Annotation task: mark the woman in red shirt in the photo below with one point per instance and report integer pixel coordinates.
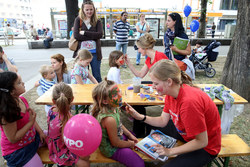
(195, 116)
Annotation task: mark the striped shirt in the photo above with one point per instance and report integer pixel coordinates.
(122, 30)
(46, 84)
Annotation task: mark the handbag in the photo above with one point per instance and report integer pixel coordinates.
(135, 46)
(73, 43)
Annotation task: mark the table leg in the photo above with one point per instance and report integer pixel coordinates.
(220, 109)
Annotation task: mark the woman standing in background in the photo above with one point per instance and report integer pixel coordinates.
(142, 27)
(88, 32)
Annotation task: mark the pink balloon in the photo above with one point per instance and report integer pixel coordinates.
(82, 134)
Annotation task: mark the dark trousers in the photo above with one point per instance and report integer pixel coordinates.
(213, 32)
(196, 158)
(140, 128)
(47, 41)
(96, 68)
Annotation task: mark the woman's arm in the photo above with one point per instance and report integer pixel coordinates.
(92, 78)
(141, 73)
(14, 135)
(187, 51)
(160, 121)
(200, 141)
(77, 30)
(95, 34)
(110, 124)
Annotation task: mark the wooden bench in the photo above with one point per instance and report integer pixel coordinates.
(231, 145)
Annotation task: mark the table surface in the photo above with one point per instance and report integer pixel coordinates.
(83, 96)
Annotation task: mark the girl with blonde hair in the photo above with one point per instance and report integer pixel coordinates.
(80, 72)
(117, 141)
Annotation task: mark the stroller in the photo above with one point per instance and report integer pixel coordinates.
(208, 54)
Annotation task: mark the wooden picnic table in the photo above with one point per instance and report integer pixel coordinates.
(83, 96)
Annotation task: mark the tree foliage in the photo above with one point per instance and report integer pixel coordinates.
(72, 12)
(236, 71)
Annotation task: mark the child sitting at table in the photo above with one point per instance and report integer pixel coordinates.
(59, 114)
(47, 81)
(116, 59)
(20, 133)
(117, 141)
(80, 72)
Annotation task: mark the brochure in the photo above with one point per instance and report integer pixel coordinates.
(180, 43)
(155, 137)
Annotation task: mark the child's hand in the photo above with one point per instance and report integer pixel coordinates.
(133, 138)
(42, 137)
(131, 143)
(32, 115)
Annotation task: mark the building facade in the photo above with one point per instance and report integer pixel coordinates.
(14, 12)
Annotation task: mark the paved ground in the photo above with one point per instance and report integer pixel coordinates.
(29, 60)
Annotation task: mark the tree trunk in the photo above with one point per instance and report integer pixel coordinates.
(72, 12)
(236, 72)
(202, 29)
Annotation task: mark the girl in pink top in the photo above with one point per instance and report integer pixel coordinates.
(19, 129)
(58, 115)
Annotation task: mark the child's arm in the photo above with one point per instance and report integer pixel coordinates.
(39, 130)
(79, 79)
(110, 124)
(129, 134)
(92, 78)
(14, 135)
(37, 83)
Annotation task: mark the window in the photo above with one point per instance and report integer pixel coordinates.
(229, 4)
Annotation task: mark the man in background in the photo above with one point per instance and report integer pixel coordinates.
(48, 38)
(121, 29)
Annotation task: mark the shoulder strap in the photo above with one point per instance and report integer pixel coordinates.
(142, 28)
(24, 101)
(80, 23)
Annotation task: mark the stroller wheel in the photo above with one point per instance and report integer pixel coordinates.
(209, 65)
(210, 72)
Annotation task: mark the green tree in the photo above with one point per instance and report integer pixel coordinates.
(72, 12)
(236, 71)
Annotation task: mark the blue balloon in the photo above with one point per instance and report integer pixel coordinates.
(187, 10)
(194, 26)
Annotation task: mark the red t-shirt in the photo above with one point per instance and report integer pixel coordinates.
(158, 56)
(193, 112)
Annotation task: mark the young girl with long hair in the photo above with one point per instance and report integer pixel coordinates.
(59, 114)
(116, 59)
(80, 73)
(117, 141)
(19, 129)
